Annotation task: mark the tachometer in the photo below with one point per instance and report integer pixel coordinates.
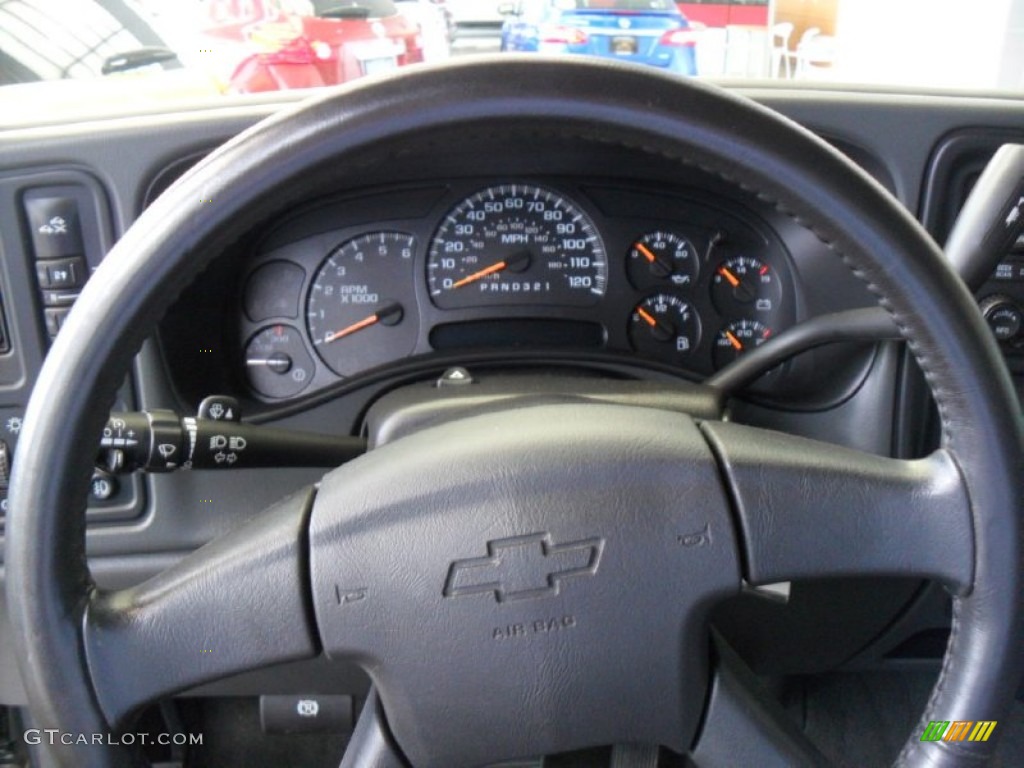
(516, 244)
(361, 307)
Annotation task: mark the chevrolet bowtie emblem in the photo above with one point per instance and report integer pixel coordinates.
(524, 567)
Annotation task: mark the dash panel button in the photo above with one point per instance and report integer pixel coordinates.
(61, 273)
(54, 224)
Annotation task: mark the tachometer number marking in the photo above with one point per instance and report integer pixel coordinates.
(357, 303)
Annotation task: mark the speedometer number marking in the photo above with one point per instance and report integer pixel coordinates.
(516, 244)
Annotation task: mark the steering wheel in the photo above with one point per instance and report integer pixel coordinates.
(535, 581)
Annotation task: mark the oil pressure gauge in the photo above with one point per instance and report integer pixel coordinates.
(662, 258)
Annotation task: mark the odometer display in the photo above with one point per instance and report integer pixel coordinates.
(516, 244)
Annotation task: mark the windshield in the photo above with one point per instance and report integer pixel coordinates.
(128, 52)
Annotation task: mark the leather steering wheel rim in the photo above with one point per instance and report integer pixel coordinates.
(686, 122)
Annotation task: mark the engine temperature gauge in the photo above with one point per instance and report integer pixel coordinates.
(664, 327)
(737, 339)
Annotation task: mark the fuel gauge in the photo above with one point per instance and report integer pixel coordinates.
(664, 327)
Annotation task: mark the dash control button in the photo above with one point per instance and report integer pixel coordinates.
(1005, 270)
(455, 377)
(55, 318)
(61, 273)
(54, 224)
(220, 408)
(315, 713)
(103, 486)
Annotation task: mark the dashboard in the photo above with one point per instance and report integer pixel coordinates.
(531, 263)
(660, 278)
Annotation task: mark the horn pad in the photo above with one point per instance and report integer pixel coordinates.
(514, 589)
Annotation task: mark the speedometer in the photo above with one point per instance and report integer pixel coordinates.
(516, 244)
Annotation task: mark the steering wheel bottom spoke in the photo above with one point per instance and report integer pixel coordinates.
(744, 726)
(808, 509)
(239, 603)
(371, 745)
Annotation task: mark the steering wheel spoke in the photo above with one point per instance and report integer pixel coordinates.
(371, 745)
(808, 509)
(237, 604)
(743, 725)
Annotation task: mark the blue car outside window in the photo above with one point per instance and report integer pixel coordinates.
(649, 32)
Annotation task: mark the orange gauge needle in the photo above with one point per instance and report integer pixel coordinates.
(736, 343)
(733, 280)
(646, 252)
(647, 316)
(515, 263)
(481, 274)
(389, 315)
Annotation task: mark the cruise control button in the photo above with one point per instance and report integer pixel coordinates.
(54, 224)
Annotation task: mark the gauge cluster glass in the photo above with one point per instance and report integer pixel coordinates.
(469, 270)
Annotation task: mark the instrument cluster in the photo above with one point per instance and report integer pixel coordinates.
(675, 280)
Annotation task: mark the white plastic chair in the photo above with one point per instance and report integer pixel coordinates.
(780, 48)
(793, 58)
(814, 52)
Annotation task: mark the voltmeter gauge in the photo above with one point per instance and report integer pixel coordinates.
(277, 364)
(737, 339)
(662, 258)
(746, 286)
(664, 327)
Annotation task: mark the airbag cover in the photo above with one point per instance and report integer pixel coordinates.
(528, 582)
